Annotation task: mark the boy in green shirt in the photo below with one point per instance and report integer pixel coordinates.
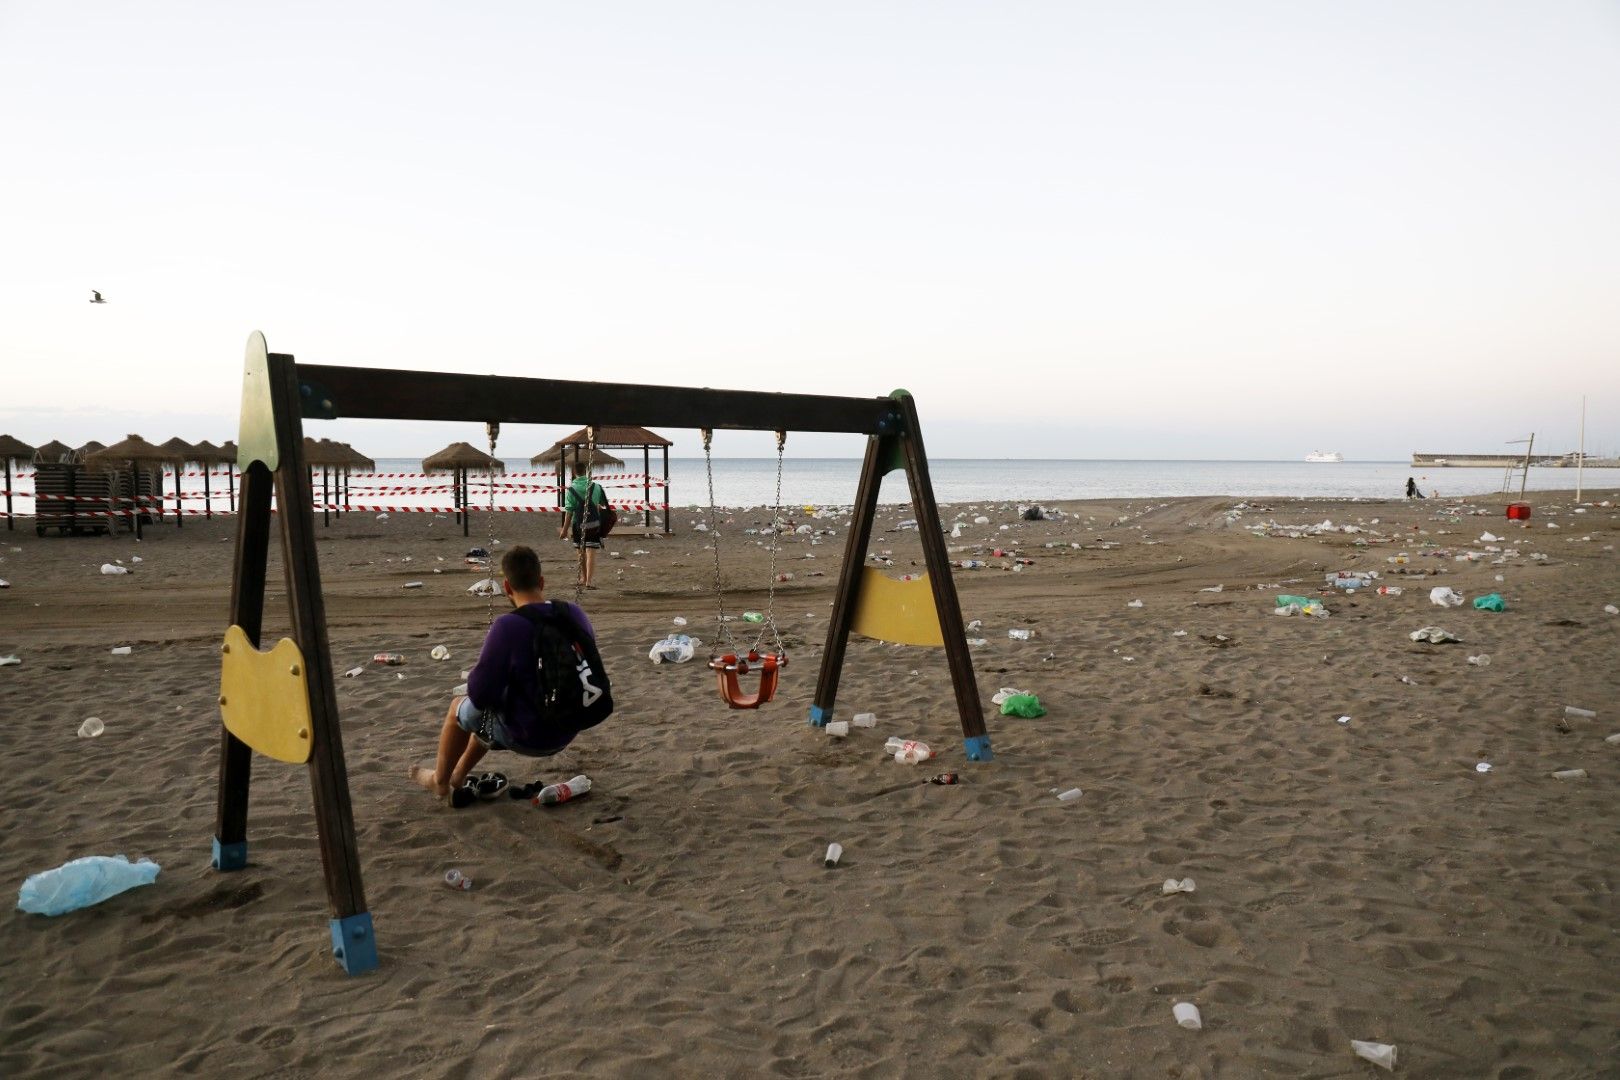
(582, 520)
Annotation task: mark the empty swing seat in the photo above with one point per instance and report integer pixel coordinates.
(729, 667)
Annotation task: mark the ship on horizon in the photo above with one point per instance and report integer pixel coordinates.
(1324, 455)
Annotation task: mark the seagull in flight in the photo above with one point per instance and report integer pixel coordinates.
(97, 295)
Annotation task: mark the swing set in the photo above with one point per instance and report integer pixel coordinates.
(283, 702)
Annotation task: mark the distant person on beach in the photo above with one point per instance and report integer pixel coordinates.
(1412, 491)
(582, 520)
(539, 682)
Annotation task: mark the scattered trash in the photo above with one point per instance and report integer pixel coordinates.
(91, 727)
(1380, 1054)
(753, 617)
(1004, 693)
(1017, 634)
(486, 587)
(411, 585)
(4, 584)
(981, 520)
(1613, 740)
(83, 882)
(1027, 706)
(838, 729)
(1482, 660)
(865, 719)
(1187, 1016)
(477, 553)
(1171, 885)
(439, 652)
(1070, 795)
(392, 659)
(678, 621)
(1434, 635)
(109, 568)
(1570, 774)
(835, 851)
(1445, 597)
(1389, 590)
(383, 516)
(674, 649)
(1134, 603)
(455, 879)
(353, 673)
(122, 650)
(1483, 767)
(1584, 714)
(945, 779)
(907, 751)
(7, 661)
(1492, 602)
(1344, 719)
(1487, 538)
(1611, 609)
(1299, 605)
(1213, 588)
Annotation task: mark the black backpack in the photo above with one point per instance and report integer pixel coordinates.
(597, 518)
(572, 688)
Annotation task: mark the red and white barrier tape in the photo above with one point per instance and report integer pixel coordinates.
(547, 509)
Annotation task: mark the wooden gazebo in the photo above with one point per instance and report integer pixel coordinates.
(587, 445)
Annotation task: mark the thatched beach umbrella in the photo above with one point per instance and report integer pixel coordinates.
(91, 447)
(54, 452)
(459, 458)
(13, 450)
(557, 457)
(357, 460)
(135, 452)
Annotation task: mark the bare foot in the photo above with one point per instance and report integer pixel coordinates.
(424, 777)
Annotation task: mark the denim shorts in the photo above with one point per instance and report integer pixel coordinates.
(485, 725)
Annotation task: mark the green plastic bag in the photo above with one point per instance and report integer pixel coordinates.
(1298, 601)
(1025, 705)
(1493, 602)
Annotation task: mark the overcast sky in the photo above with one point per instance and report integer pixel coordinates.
(1233, 230)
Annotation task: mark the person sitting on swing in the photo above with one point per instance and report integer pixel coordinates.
(582, 519)
(538, 683)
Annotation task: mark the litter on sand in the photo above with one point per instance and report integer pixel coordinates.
(1171, 885)
(1380, 1054)
(1434, 635)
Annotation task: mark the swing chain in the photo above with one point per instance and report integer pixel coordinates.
(493, 430)
(776, 543)
(714, 536)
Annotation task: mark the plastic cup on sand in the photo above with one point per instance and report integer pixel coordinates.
(1187, 1016)
(91, 728)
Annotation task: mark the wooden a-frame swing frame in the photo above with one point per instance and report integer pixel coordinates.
(279, 393)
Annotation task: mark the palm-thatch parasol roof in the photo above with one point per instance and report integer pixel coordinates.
(461, 456)
(134, 449)
(617, 436)
(324, 454)
(209, 454)
(15, 449)
(561, 453)
(90, 447)
(53, 452)
(357, 459)
(182, 450)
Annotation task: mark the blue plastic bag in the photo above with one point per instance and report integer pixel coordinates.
(83, 882)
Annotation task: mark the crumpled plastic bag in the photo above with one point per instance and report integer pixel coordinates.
(82, 882)
(1025, 705)
(1434, 635)
(486, 587)
(1445, 597)
(1492, 602)
(675, 649)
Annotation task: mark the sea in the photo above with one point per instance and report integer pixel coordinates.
(832, 482)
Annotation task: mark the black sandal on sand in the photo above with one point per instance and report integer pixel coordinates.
(488, 785)
(465, 795)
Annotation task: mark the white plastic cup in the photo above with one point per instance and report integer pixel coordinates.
(1584, 714)
(1069, 796)
(1187, 1016)
(122, 650)
(1570, 774)
(1380, 1054)
(835, 852)
(91, 728)
(1482, 660)
(865, 719)
(838, 728)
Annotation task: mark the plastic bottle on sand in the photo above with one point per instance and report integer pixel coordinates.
(552, 794)
(455, 879)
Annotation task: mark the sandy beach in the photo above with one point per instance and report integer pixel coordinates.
(1355, 880)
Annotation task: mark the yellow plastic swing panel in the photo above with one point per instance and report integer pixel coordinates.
(889, 609)
(264, 697)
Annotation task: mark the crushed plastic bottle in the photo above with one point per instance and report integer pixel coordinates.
(109, 569)
(455, 879)
(83, 882)
(440, 652)
(392, 659)
(552, 794)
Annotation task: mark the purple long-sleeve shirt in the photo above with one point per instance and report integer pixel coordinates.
(505, 677)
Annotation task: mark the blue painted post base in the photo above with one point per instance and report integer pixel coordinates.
(353, 944)
(230, 856)
(820, 716)
(978, 748)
